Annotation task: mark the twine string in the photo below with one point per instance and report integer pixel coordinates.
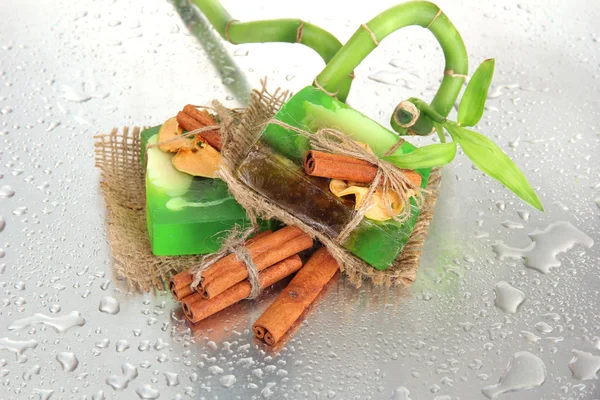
(233, 244)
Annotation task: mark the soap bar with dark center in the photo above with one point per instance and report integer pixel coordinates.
(273, 168)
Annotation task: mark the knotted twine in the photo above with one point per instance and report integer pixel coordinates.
(388, 178)
(233, 244)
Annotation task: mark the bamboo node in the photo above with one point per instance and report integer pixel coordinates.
(364, 26)
(451, 73)
(299, 32)
(434, 18)
(227, 30)
(321, 88)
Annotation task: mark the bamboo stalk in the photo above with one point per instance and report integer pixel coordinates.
(368, 37)
(276, 30)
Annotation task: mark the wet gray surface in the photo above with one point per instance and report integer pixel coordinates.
(71, 330)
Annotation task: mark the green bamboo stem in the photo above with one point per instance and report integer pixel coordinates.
(277, 30)
(368, 36)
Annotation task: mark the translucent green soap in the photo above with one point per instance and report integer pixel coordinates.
(185, 214)
(273, 168)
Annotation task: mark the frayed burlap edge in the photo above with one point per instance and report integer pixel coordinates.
(123, 186)
(239, 139)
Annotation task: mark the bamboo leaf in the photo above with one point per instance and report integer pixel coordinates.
(471, 105)
(491, 160)
(433, 155)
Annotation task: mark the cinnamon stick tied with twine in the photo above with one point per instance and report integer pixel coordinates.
(180, 285)
(391, 177)
(296, 297)
(232, 265)
(346, 168)
(196, 307)
(191, 119)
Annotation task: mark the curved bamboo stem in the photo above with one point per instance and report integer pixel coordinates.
(276, 30)
(368, 36)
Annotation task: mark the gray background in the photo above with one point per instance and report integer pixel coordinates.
(69, 70)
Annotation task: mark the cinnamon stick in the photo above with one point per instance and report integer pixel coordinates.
(197, 308)
(296, 297)
(191, 119)
(179, 284)
(336, 166)
(261, 245)
(233, 271)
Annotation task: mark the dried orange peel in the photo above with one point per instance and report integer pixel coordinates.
(167, 134)
(377, 209)
(200, 160)
(194, 156)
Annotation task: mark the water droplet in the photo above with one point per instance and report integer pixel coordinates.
(401, 393)
(512, 224)
(109, 305)
(543, 327)
(289, 77)
(530, 336)
(160, 344)
(508, 298)
(60, 324)
(35, 370)
(44, 394)
(2, 223)
(524, 371)
(523, 214)
(584, 365)
(267, 391)
(227, 381)
(55, 308)
(241, 52)
(6, 192)
(102, 343)
(99, 395)
(546, 245)
(129, 371)
(122, 345)
(147, 392)
(385, 77)
(19, 211)
(68, 362)
(172, 378)
(17, 346)
(52, 125)
(215, 370)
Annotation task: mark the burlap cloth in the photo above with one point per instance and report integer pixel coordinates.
(123, 185)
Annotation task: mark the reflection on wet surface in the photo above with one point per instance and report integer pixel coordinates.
(478, 322)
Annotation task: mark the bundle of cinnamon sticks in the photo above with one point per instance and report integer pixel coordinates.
(275, 255)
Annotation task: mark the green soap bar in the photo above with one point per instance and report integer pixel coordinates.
(186, 214)
(274, 168)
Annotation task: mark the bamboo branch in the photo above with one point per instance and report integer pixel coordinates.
(276, 30)
(368, 37)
